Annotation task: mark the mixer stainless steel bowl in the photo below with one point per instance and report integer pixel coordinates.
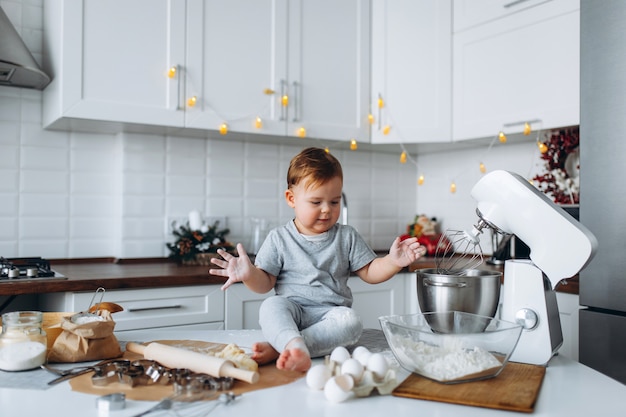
(474, 291)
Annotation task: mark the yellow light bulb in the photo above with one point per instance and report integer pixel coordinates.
(386, 129)
(527, 129)
(192, 101)
(420, 180)
(171, 73)
(502, 137)
(353, 145)
(327, 150)
(301, 132)
(285, 100)
(403, 157)
(268, 91)
(453, 187)
(482, 168)
(370, 118)
(223, 128)
(543, 148)
(381, 102)
(258, 123)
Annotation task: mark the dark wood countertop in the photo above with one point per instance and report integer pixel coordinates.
(112, 273)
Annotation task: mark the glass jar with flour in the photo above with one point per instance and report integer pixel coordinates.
(23, 343)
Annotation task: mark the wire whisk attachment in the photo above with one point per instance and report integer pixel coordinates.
(459, 251)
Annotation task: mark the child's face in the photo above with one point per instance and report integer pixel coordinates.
(318, 208)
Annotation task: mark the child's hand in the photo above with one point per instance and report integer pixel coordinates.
(405, 252)
(237, 269)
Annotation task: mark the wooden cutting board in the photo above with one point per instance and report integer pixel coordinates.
(515, 389)
(270, 376)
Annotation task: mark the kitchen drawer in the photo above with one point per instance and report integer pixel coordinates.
(150, 307)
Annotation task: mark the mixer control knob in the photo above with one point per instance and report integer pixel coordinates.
(527, 318)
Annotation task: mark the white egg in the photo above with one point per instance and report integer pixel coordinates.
(378, 365)
(352, 367)
(338, 388)
(362, 354)
(339, 354)
(317, 376)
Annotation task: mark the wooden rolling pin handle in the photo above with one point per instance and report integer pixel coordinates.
(135, 347)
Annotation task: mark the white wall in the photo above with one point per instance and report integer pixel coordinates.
(75, 195)
(458, 210)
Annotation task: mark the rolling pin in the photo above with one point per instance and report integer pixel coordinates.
(173, 357)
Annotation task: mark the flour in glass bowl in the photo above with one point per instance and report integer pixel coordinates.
(448, 362)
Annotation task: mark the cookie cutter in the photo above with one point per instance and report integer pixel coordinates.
(189, 383)
(109, 402)
(149, 372)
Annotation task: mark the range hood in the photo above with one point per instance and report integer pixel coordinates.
(18, 68)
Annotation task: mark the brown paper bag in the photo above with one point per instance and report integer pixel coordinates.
(89, 341)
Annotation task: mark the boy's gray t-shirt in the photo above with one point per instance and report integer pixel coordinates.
(314, 272)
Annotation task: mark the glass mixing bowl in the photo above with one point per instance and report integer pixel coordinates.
(461, 354)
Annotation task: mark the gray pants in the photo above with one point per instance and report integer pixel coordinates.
(323, 328)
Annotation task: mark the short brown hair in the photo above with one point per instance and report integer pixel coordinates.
(316, 165)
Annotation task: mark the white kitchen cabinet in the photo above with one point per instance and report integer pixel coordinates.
(327, 73)
(374, 300)
(370, 302)
(248, 47)
(242, 307)
(468, 13)
(233, 56)
(109, 62)
(518, 68)
(180, 307)
(411, 71)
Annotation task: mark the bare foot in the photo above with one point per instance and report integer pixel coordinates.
(263, 352)
(294, 360)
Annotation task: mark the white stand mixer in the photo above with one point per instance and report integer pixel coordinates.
(559, 248)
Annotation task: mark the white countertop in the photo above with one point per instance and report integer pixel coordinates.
(569, 390)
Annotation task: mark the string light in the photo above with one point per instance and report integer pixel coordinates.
(386, 129)
(543, 148)
(527, 129)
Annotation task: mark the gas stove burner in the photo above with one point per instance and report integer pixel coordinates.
(26, 269)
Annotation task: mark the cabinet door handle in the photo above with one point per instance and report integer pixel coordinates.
(283, 95)
(135, 309)
(174, 72)
(514, 3)
(296, 101)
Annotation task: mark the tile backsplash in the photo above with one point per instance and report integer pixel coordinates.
(77, 195)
